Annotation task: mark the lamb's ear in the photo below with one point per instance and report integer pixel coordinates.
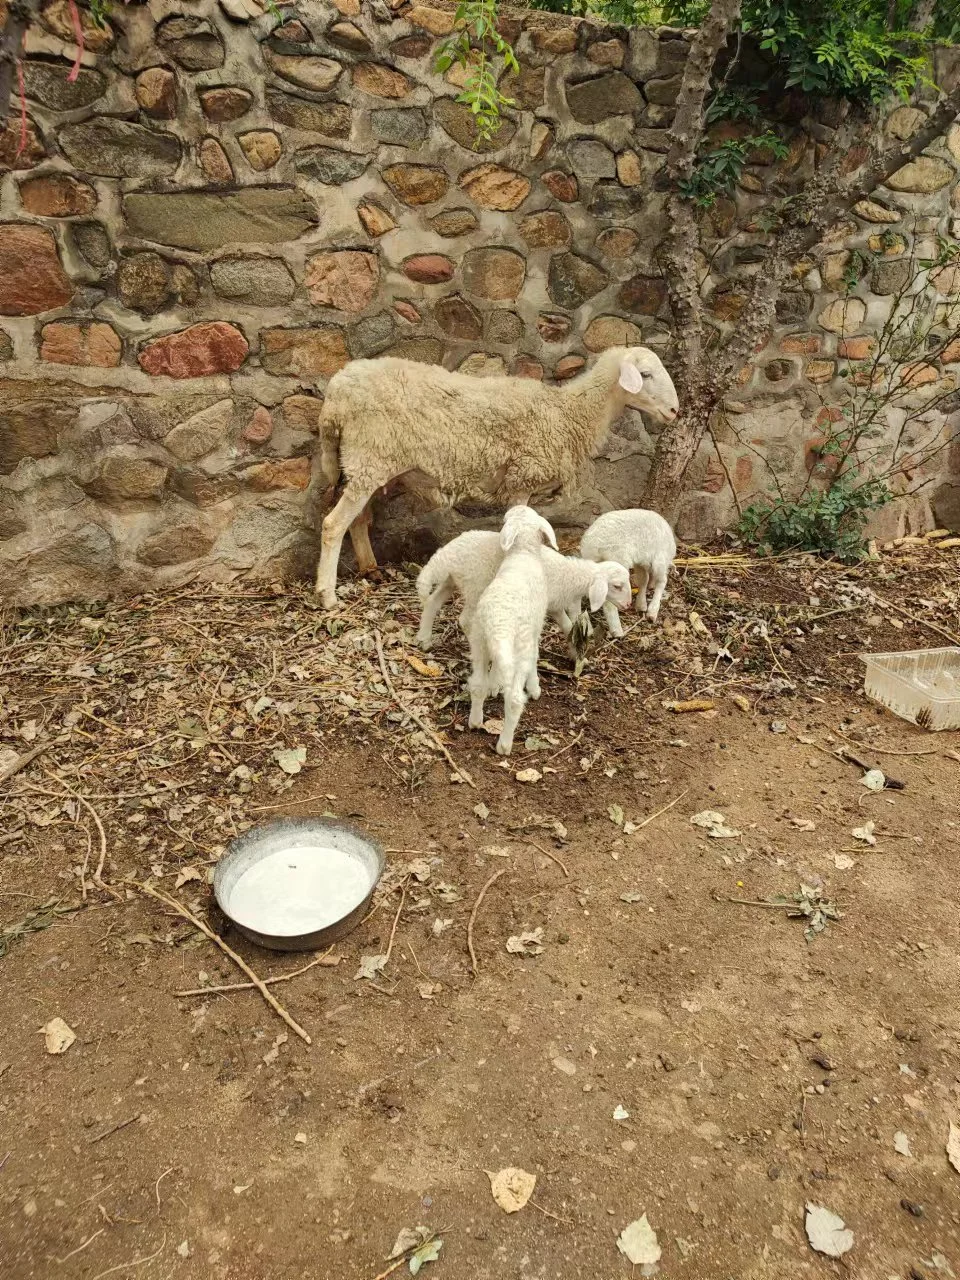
(597, 594)
(547, 530)
(508, 535)
(631, 379)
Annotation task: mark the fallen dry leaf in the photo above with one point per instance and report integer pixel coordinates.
(526, 944)
(638, 1243)
(187, 873)
(740, 701)
(429, 990)
(901, 1144)
(57, 1036)
(827, 1233)
(865, 834)
(528, 775)
(512, 1188)
(715, 825)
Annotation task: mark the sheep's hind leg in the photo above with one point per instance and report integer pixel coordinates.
(514, 700)
(432, 606)
(360, 537)
(335, 525)
(643, 577)
(478, 682)
(658, 581)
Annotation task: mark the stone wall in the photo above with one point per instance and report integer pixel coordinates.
(227, 205)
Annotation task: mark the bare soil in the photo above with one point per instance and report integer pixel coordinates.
(760, 1071)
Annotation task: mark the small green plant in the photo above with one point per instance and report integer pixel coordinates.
(829, 521)
(719, 170)
(475, 44)
(733, 103)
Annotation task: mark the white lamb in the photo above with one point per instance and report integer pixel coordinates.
(467, 565)
(634, 538)
(505, 629)
(504, 439)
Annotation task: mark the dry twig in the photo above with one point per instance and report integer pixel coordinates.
(473, 916)
(115, 1128)
(152, 892)
(424, 724)
(676, 800)
(21, 762)
(547, 854)
(326, 959)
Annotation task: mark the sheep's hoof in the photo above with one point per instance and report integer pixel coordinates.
(372, 571)
(504, 749)
(329, 599)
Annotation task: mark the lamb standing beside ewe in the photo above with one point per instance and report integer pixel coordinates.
(633, 538)
(468, 563)
(507, 622)
(494, 439)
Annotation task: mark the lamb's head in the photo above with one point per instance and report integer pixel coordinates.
(647, 384)
(613, 584)
(529, 526)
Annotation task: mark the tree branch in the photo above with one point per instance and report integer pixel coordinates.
(20, 13)
(688, 121)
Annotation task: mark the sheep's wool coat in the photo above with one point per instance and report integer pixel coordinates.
(476, 438)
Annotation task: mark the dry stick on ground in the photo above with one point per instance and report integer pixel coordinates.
(473, 916)
(920, 622)
(405, 1257)
(21, 762)
(424, 724)
(98, 874)
(271, 1000)
(396, 921)
(664, 809)
(325, 960)
(115, 1128)
(547, 854)
(81, 1247)
(137, 1262)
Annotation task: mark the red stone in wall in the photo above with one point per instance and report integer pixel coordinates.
(197, 352)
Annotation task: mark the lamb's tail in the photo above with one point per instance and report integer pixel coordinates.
(432, 576)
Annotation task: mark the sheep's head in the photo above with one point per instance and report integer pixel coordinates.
(614, 585)
(524, 520)
(647, 384)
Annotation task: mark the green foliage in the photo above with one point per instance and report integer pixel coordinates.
(830, 521)
(738, 102)
(718, 171)
(474, 42)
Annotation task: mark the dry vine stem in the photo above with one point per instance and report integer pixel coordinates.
(271, 1000)
(473, 916)
(326, 959)
(424, 725)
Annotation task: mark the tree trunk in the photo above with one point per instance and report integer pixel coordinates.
(676, 449)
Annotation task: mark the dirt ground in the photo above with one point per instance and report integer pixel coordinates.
(197, 1136)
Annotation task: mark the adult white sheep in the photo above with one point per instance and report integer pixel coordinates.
(468, 564)
(639, 539)
(498, 439)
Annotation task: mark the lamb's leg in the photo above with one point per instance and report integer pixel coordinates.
(514, 700)
(658, 581)
(562, 619)
(611, 616)
(432, 606)
(360, 537)
(335, 525)
(478, 681)
(532, 682)
(643, 577)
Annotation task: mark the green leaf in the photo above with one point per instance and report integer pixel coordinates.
(428, 1252)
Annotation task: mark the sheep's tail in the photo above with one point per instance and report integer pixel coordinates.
(325, 473)
(502, 666)
(431, 576)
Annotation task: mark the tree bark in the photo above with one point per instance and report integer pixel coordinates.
(824, 199)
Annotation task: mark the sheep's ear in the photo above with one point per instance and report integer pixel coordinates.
(598, 592)
(508, 535)
(547, 530)
(631, 379)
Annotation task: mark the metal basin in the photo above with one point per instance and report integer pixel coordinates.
(296, 884)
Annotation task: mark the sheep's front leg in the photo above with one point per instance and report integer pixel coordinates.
(562, 619)
(360, 537)
(335, 525)
(611, 616)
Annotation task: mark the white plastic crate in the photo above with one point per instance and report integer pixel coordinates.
(921, 685)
